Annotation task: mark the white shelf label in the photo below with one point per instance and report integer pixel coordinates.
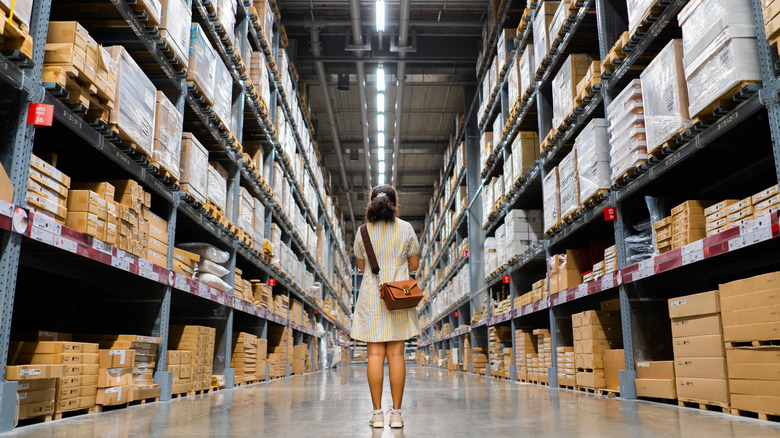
(119, 263)
(66, 244)
(6, 209)
(693, 252)
(45, 223)
(737, 243)
(758, 236)
(145, 265)
(102, 246)
(42, 236)
(148, 273)
(181, 282)
(203, 291)
(607, 281)
(582, 290)
(125, 256)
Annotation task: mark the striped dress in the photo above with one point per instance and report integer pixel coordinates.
(393, 242)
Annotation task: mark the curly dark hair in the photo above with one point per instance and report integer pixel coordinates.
(382, 205)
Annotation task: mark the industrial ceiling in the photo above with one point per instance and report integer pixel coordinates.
(428, 51)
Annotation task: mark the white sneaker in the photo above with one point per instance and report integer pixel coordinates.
(396, 420)
(377, 419)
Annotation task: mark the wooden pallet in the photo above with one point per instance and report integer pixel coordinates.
(129, 143)
(616, 52)
(101, 408)
(36, 419)
(760, 415)
(201, 391)
(197, 92)
(179, 395)
(16, 39)
(649, 18)
(569, 387)
(87, 99)
(74, 413)
(164, 173)
(525, 21)
(595, 199)
(144, 401)
(704, 405)
(723, 104)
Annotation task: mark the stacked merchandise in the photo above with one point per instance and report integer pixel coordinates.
(525, 349)
(665, 97)
(115, 377)
(491, 255)
(566, 270)
(55, 355)
(175, 27)
(656, 379)
(720, 50)
(210, 269)
(552, 200)
(497, 336)
(595, 331)
(749, 311)
(542, 38)
(280, 350)
(485, 148)
(627, 134)
(47, 190)
(688, 222)
(564, 87)
(592, 155)
(699, 356)
(663, 235)
(543, 360)
(238, 281)
(523, 228)
(638, 11)
(479, 359)
(244, 358)
(180, 365)
(610, 260)
(36, 395)
(507, 362)
(281, 305)
(199, 341)
(216, 192)
(569, 185)
(526, 66)
(525, 151)
(479, 315)
(185, 262)
(467, 353)
(739, 212)
(262, 294)
(207, 71)
(88, 211)
(262, 358)
(716, 216)
(300, 359)
(567, 372)
(167, 137)
(143, 367)
(134, 111)
(194, 179)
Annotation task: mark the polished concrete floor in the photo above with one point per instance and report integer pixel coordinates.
(336, 403)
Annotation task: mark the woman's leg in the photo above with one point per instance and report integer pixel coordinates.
(395, 359)
(376, 371)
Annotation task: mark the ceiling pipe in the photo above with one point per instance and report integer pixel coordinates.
(315, 36)
(403, 40)
(361, 69)
(357, 27)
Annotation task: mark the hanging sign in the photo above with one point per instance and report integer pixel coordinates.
(610, 214)
(40, 114)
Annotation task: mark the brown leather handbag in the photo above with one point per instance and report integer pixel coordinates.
(397, 294)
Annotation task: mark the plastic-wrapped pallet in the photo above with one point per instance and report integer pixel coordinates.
(246, 210)
(592, 146)
(226, 13)
(637, 11)
(202, 69)
(175, 27)
(498, 128)
(565, 86)
(525, 150)
(134, 103)
(223, 92)
(525, 67)
(628, 147)
(501, 253)
(665, 96)
(569, 184)
(509, 176)
(702, 21)
(217, 188)
(551, 200)
(258, 225)
(259, 76)
(167, 136)
(544, 16)
(490, 252)
(485, 147)
(505, 46)
(561, 14)
(22, 10)
(194, 168)
(513, 82)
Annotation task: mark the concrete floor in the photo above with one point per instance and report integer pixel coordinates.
(336, 404)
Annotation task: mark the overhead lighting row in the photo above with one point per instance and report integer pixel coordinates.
(380, 105)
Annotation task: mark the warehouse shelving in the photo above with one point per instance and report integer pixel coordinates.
(176, 299)
(693, 167)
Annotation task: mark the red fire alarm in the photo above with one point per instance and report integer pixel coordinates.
(272, 282)
(456, 314)
(40, 114)
(610, 214)
(506, 279)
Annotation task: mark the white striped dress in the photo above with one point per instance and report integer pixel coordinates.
(393, 242)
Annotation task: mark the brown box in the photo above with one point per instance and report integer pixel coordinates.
(597, 332)
(109, 377)
(116, 358)
(37, 396)
(174, 357)
(113, 396)
(74, 370)
(699, 346)
(708, 390)
(693, 305)
(36, 385)
(701, 367)
(593, 379)
(655, 370)
(696, 326)
(753, 284)
(751, 332)
(656, 388)
(614, 361)
(51, 347)
(751, 300)
(36, 409)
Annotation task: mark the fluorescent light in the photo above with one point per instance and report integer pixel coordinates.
(381, 179)
(381, 167)
(380, 102)
(380, 122)
(380, 154)
(380, 79)
(380, 15)
(380, 139)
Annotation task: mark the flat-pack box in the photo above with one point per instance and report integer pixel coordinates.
(701, 367)
(705, 303)
(699, 346)
(109, 377)
(697, 326)
(28, 372)
(116, 358)
(663, 370)
(595, 379)
(707, 390)
(656, 388)
(114, 396)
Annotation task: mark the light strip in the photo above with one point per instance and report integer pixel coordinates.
(380, 15)
(380, 103)
(380, 78)
(380, 122)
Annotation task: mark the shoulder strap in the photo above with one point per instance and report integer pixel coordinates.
(369, 249)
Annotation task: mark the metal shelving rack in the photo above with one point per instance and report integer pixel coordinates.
(641, 285)
(174, 298)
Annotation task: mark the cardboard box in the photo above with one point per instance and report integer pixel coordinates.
(594, 379)
(109, 377)
(754, 387)
(692, 305)
(55, 359)
(754, 403)
(696, 326)
(701, 367)
(751, 300)
(27, 372)
(663, 370)
(597, 332)
(752, 332)
(52, 347)
(37, 396)
(705, 390)
(38, 409)
(86, 223)
(113, 396)
(75, 370)
(699, 346)
(656, 388)
(36, 385)
(116, 358)
(614, 361)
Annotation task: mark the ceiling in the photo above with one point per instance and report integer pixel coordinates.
(443, 40)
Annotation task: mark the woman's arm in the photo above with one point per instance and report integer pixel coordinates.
(361, 264)
(414, 263)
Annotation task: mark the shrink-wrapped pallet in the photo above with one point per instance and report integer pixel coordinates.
(569, 184)
(217, 188)
(175, 27)
(592, 147)
(246, 210)
(203, 63)
(226, 13)
(541, 26)
(637, 12)
(194, 168)
(559, 18)
(259, 76)
(565, 86)
(22, 10)
(525, 150)
(167, 136)
(505, 46)
(525, 67)
(702, 21)
(513, 82)
(551, 200)
(665, 96)
(134, 104)
(266, 20)
(628, 146)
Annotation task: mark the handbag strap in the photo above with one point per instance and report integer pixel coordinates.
(369, 249)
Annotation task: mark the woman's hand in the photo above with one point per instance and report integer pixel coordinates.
(361, 264)
(414, 263)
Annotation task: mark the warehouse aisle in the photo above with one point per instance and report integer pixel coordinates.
(336, 403)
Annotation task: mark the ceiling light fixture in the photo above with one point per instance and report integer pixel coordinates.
(380, 103)
(381, 179)
(380, 122)
(381, 167)
(380, 78)
(380, 154)
(380, 139)
(380, 15)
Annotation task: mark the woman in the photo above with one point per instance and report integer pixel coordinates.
(385, 331)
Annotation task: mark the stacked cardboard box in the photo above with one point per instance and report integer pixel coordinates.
(551, 199)
(543, 355)
(524, 349)
(115, 377)
(199, 341)
(88, 211)
(734, 212)
(479, 359)
(281, 305)
(595, 331)
(175, 22)
(280, 348)
(749, 310)
(569, 185)
(592, 156)
(180, 365)
(74, 364)
(663, 235)
(36, 397)
(194, 178)
(300, 357)
(567, 372)
(525, 151)
(656, 379)
(610, 260)
(542, 39)
(134, 110)
(497, 336)
(523, 228)
(142, 368)
(716, 216)
(566, 270)
(167, 136)
(699, 356)
(627, 139)
(565, 86)
(47, 190)
(185, 262)
(238, 289)
(467, 353)
(688, 223)
(262, 294)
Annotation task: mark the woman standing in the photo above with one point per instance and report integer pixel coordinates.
(385, 331)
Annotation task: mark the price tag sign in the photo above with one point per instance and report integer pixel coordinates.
(66, 244)
(737, 243)
(758, 236)
(148, 273)
(607, 282)
(582, 291)
(271, 282)
(43, 222)
(203, 290)
(40, 114)
(610, 214)
(506, 279)
(465, 253)
(181, 282)
(119, 263)
(145, 264)
(693, 252)
(101, 246)
(646, 269)
(42, 236)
